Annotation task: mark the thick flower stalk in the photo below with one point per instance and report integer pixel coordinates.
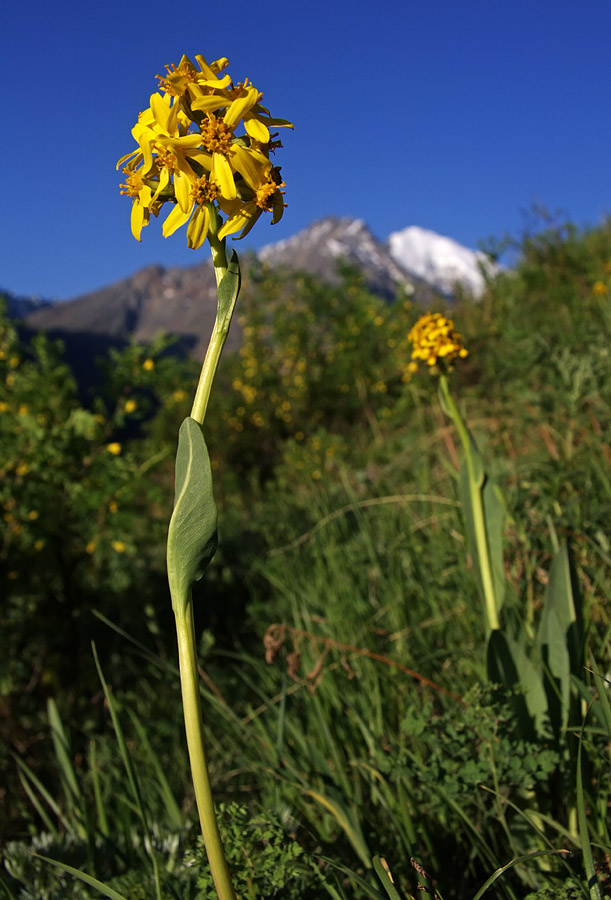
(203, 149)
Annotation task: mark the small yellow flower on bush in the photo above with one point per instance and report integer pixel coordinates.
(191, 155)
(599, 289)
(130, 406)
(434, 340)
(118, 546)
(90, 548)
(114, 448)
(148, 365)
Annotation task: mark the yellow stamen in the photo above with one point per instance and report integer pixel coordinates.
(204, 191)
(178, 78)
(265, 192)
(165, 158)
(133, 183)
(216, 136)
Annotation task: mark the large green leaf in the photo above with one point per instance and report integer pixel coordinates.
(559, 640)
(510, 665)
(192, 535)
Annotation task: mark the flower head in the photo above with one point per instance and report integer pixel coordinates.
(435, 340)
(204, 147)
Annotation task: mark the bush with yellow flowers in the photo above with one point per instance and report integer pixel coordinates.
(313, 356)
(82, 501)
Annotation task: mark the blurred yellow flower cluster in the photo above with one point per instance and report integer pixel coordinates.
(191, 155)
(434, 338)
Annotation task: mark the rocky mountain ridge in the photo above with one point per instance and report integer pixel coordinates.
(181, 300)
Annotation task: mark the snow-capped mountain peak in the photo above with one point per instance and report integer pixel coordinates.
(439, 260)
(320, 246)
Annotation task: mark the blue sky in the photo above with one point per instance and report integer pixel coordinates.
(454, 116)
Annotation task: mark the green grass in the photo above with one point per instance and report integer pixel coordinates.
(371, 730)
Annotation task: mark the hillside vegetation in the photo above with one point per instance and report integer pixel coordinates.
(348, 681)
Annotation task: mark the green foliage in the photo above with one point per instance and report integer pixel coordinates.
(265, 860)
(192, 535)
(341, 524)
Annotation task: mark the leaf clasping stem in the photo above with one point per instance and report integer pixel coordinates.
(475, 493)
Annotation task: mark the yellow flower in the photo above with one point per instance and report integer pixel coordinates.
(33, 515)
(90, 548)
(22, 469)
(118, 546)
(599, 289)
(192, 155)
(178, 395)
(114, 448)
(130, 406)
(38, 545)
(113, 506)
(435, 339)
(23, 409)
(148, 365)
(3, 406)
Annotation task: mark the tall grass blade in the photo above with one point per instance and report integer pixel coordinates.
(370, 890)
(514, 862)
(129, 769)
(69, 781)
(603, 705)
(100, 806)
(84, 877)
(347, 821)
(582, 820)
(33, 787)
(172, 808)
(383, 872)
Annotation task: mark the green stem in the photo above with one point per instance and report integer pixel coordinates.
(477, 506)
(183, 607)
(192, 709)
(221, 326)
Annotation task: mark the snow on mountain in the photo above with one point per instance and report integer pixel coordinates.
(439, 260)
(320, 246)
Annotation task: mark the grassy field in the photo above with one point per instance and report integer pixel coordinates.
(359, 706)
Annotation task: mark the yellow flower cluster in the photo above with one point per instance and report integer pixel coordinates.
(434, 339)
(191, 155)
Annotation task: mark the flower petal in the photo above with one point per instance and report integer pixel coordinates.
(209, 103)
(161, 112)
(223, 176)
(252, 167)
(257, 130)
(197, 228)
(176, 218)
(240, 106)
(182, 190)
(139, 218)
